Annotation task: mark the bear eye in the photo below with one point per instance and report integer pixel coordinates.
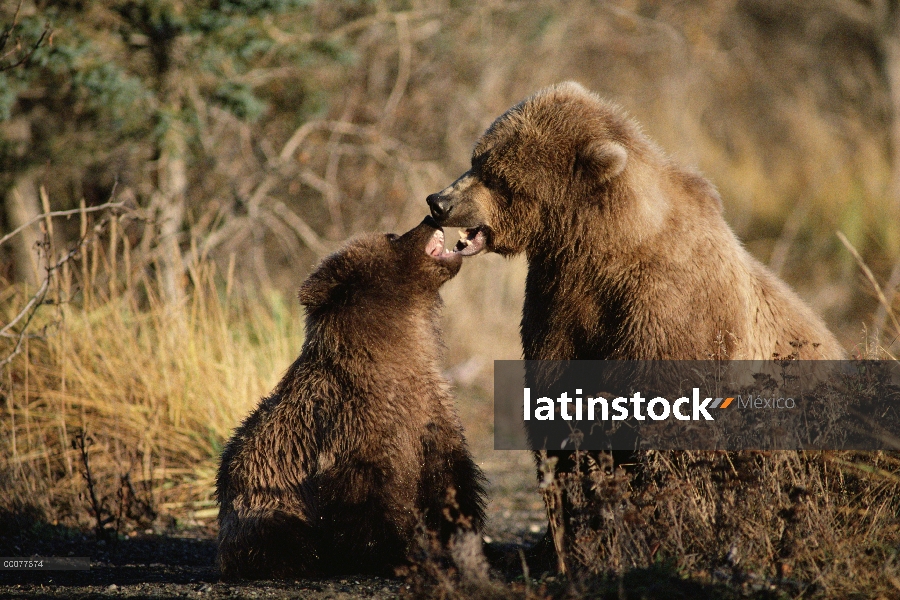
(391, 236)
(494, 183)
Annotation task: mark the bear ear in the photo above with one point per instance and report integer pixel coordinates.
(602, 160)
(316, 290)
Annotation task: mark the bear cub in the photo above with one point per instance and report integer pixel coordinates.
(359, 443)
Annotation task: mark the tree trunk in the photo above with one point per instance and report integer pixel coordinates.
(170, 210)
(23, 205)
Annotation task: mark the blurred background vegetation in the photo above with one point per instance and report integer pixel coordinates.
(231, 144)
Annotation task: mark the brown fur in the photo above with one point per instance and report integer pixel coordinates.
(360, 440)
(629, 256)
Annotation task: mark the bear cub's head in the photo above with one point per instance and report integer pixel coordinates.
(554, 151)
(381, 272)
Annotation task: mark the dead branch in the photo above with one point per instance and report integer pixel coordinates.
(349, 28)
(5, 36)
(31, 307)
(403, 69)
(306, 233)
(99, 507)
(63, 213)
(38, 299)
(379, 147)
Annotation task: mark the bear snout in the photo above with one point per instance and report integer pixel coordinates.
(440, 206)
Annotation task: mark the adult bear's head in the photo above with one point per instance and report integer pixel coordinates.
(539, 164)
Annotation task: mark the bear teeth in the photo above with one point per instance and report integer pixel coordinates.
(465, 239)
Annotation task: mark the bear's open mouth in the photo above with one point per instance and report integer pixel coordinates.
(472, 241)
(435, 246)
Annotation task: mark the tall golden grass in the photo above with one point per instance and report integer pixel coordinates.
(157, 387)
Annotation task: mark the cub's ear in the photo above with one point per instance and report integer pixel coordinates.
(317, 290)
(602, 160)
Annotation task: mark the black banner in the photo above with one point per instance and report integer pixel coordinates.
(697, 405)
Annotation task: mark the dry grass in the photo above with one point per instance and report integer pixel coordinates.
(157, 387)
(809, 524)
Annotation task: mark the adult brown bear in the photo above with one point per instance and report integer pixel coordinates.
(629, 256)
(360, 440)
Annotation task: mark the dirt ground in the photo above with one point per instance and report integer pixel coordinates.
(180, 565)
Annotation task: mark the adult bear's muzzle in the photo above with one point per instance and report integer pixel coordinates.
(440, 206)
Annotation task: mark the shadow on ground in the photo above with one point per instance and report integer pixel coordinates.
(181, 564)
(174, 564)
